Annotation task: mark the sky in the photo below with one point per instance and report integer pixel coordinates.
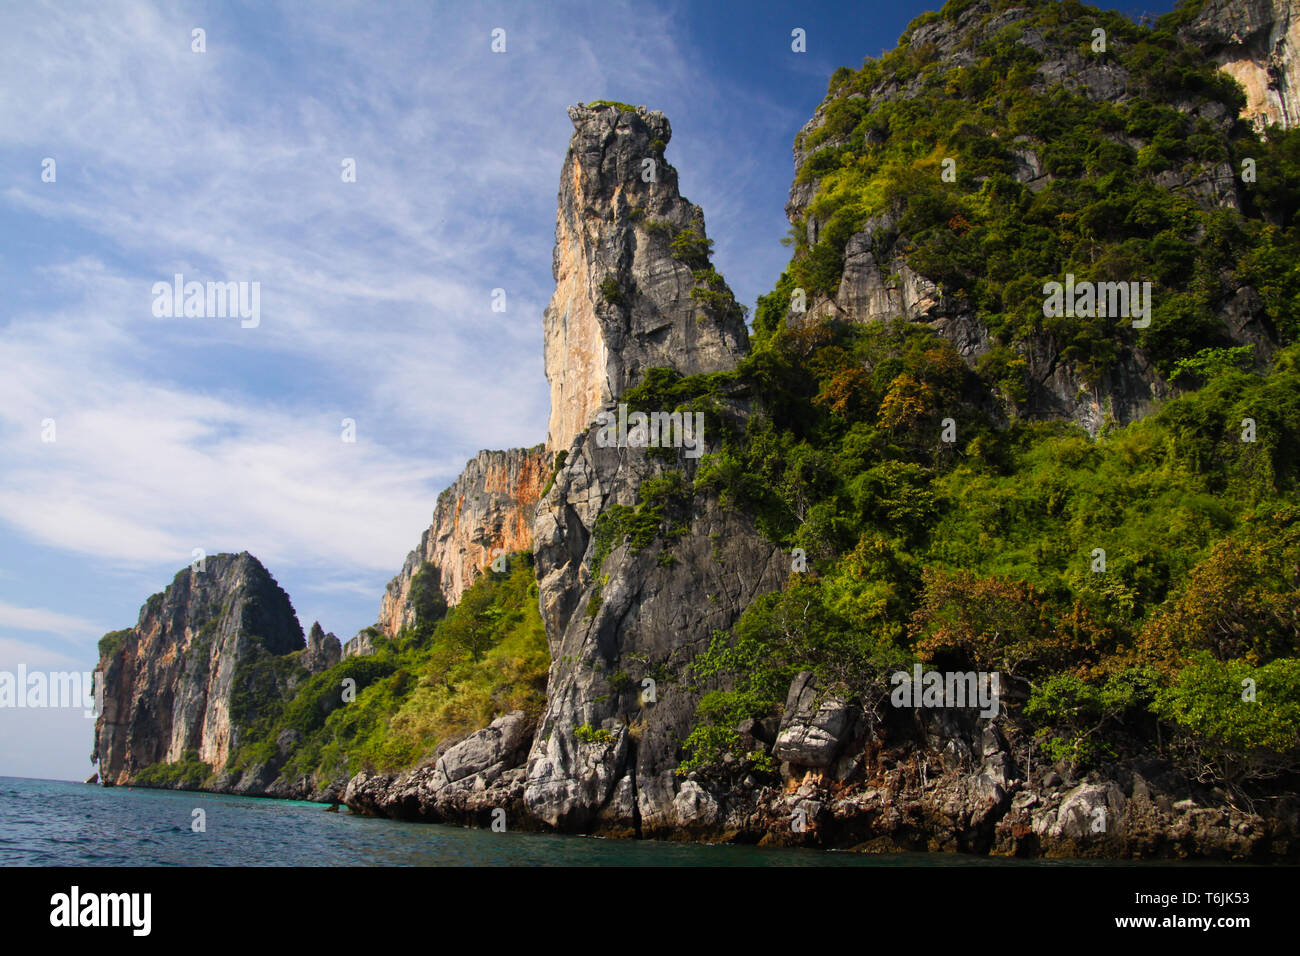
(172, 433)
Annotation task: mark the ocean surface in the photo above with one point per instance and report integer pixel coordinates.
(55, 823)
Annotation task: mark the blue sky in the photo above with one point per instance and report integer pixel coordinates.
(175, 434)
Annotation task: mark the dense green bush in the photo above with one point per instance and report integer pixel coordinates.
(189, 773)
(112, 642)
(625, 107)
(426, 597)
(611, 291)
(981, 554)
(587, 734)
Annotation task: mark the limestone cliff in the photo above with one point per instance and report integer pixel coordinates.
(634, 290)
(172, 684)
(1256, 42)
(631, 280)
(618, 615)
(488, 509)
(637, 569)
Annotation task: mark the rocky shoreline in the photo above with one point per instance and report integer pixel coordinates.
(956, 788)
(974, 795)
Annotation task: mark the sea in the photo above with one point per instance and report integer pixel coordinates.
(57, 823)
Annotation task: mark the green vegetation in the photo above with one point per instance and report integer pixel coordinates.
(715, 297)
(1138, 592)
(261, 685)
(661, 511)
(1208, 363)
(611, 291)
(427, 599)
(439, 680)
(188, 773)
(588, 734)
(112, 642)
(560, 458)
(1237, 739)
(598, 104)
(1104, 216)
(981, 554)
(662, 500)
(656, 227)
(691, 247)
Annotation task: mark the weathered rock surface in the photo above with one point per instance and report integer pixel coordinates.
(489, 508)
(622, 302)
(323, 650)
(471, 779)
(1256, 42)
(362, 644)
(169, 685)
(947, 781)
(813, 727)
(625, 620)
(645, 614)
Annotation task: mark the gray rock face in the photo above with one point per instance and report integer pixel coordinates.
(623, 303)
(323, 650)
(168, 687)
(643, 615)
(695, 806)
(361, 645)
(486, 753)
(813, 726)
(1085, 812)
(475, 777)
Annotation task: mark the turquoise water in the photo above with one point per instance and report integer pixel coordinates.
(53, 823)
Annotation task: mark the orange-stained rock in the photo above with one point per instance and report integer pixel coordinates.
(489, 507)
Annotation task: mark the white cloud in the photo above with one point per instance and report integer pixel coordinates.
(13, 617)
(175, 434)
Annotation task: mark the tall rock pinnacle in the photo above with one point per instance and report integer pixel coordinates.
(629, 253)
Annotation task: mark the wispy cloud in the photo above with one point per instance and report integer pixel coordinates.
(13, 617)
(175, 434)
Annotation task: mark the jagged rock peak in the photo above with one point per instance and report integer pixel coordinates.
(323, 650)
(169, 682)
(629, 254)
